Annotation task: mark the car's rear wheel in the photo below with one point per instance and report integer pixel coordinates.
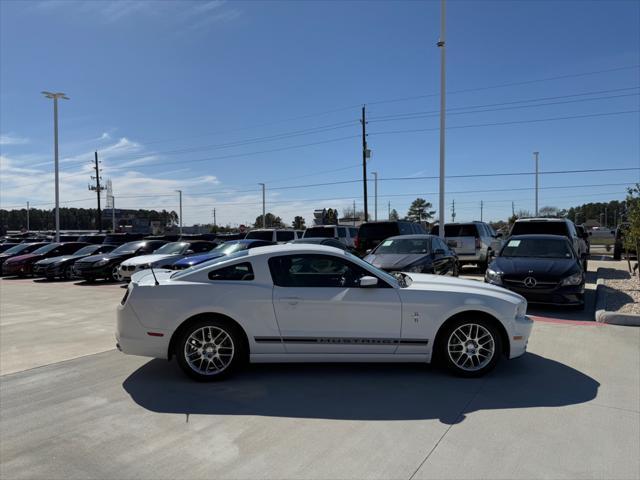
(210, 350)
(470, 347)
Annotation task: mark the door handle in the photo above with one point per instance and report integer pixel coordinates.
(290, 300)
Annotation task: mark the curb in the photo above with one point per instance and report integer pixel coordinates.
(613, 318)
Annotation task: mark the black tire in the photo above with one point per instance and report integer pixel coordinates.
(67, 273)
(455, 271)
(617, 253)
(448, 360)
(114, 277)
(234, 340)
(585, 264)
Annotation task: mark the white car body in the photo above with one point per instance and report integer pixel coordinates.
(311, 324)
(135, 264)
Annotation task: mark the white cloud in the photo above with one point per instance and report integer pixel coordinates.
(10, 139)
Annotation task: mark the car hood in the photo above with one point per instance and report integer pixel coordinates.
(144, 259)
(23, 258)
(61, 258)
(424, 281)
(549, 267)
(106, 256)
(395, 261)
(194, 259)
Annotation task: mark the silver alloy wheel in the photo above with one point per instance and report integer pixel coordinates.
(115, 274)
(209, 350)
(471, 347)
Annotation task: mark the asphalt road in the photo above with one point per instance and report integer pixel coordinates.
(570, 408)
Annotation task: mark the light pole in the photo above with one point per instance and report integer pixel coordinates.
(441, 46)
(55, 97)
(27, 216)
(264, 211)
(375, 190)
(535, 155)
(180, 198)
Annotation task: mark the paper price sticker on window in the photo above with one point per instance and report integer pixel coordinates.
(513, 243)
(386, 243)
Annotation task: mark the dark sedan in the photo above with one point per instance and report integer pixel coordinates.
(544, 269)
(22, 265)
(106, 266)
(6, 246)
(62, 266)
(414, 253)
(20, 249)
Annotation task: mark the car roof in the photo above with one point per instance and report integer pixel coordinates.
(294, 248)
(536, 236)
(541, 219)
(415, 236)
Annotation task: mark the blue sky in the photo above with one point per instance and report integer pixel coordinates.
(213, 97)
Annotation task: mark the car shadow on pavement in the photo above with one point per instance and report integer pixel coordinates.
(361, 392)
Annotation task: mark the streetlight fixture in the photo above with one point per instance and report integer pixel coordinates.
(55, 97)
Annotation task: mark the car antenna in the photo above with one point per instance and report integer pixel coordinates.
(154, 275)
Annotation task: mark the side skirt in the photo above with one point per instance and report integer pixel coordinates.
(338, 358)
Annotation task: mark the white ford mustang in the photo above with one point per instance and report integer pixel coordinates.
(312, 303)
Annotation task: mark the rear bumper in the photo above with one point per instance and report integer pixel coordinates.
(471, 257)
(133, 338)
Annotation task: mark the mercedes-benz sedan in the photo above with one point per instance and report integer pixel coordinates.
(311, 303)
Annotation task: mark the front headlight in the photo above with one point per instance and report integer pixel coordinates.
(101, 263)
(494, 276)
(521, 310)
(575, 279)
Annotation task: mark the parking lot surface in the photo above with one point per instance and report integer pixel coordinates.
(76, 408)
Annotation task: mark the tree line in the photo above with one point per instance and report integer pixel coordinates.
(77, 218)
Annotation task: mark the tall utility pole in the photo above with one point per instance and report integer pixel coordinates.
(113, 213)
(605, 217)
(389, 210)
(535, 155)
(375, 195)
(55, 97)
(354, 212)
(264, 209)
(441, 46)
(513, 209)
(97, 189)
(214, 217)
(453, 210)
(481, 209)
(180, 199)
(27, 216)
(365, 154)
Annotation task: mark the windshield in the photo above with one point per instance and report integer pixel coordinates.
(260, 235)
(172, 248)
(367, 266)
(548, 228)
(378, 230)
(230, 247)
(46, 248)
(127, 247)
(17, 248)
(462, 230)
(537, 248)
(404, 245)
(211, 262)
(319, 232)
(87, 250)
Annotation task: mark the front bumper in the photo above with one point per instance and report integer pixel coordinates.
(519, 336)
(90, 271)
(560, 295)
(17, 268)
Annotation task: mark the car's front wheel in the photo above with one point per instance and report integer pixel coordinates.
(210, 350)
(68, 272)
(470, 347)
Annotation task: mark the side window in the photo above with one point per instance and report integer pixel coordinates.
(239, 271)
(342, 232)
(285, 236)
(353, 232)
(314, 271)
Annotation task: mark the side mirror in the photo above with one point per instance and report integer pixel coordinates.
(368, 251)
(189, 252)
(368, 282)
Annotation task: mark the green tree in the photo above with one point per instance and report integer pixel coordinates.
(632, 235)
(420, 210)
(298, 223)
(394, 215)
(271, 221)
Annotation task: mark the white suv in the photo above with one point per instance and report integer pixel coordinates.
(272, 235)
(343, 233)
(473, 242)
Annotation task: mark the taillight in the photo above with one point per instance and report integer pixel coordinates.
(477, 243)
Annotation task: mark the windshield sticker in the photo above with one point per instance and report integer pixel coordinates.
(386, 243)
(513, 243)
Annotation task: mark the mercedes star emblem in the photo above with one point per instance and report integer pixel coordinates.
(530, 282)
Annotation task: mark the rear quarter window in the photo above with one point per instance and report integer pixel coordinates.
(237, 272)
